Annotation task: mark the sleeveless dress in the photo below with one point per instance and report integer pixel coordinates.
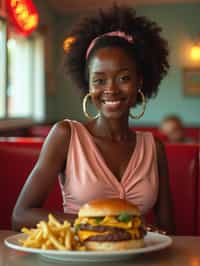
(88, 177)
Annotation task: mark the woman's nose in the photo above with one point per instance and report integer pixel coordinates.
(111, 88)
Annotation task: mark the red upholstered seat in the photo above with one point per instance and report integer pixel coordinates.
(198, 195)
(183, 177)
(193, 133)
(39, 131)
(17, 158)
(153, 130)
(183, 173)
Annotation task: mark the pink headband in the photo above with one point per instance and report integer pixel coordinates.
(119, 34)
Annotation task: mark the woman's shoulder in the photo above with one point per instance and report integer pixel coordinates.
(60, 132)
(55, 146)
(62, 128)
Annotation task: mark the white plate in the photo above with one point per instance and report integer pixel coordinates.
(153, 242)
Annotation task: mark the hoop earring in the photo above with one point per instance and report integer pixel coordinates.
(84, 104)
(143, 107)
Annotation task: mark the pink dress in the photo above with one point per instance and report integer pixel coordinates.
(88, 177)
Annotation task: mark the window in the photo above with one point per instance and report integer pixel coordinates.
(22, 81)
(25, 76)
(19, 85)
(38, 107)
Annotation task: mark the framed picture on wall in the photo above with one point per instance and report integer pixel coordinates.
(191, 81)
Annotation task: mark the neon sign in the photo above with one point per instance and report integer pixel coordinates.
(23, 15)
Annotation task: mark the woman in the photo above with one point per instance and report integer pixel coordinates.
(118, 59)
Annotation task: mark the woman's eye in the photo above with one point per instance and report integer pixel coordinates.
(125, 78)
(99, 81)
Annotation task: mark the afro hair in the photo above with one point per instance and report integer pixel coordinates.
(149, 49)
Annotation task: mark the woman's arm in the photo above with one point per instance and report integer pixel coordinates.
(28, 210)
(163, 208)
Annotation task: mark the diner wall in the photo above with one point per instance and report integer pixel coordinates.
(180, 27)
(47, 26)
(180, 24)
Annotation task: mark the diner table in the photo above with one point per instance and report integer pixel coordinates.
(185, 250)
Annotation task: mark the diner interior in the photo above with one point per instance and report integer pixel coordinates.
(35, 94)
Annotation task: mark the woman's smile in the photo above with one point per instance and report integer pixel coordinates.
(113, 105)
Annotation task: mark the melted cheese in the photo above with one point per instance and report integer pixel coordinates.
(107, 221)
(81, 220)
(134, 233)
(83, 235)
(137, 222)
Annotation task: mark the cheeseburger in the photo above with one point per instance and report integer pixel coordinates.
(110, 224)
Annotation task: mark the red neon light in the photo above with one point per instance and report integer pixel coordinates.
(23, 15)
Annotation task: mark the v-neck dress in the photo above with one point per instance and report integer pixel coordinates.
(88, 177)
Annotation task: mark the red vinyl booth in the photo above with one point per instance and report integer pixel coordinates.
(39, 131)
(153, 130)
(198, 198)
(17, 158)
(191, 132)
(183, 179)
(183, 174)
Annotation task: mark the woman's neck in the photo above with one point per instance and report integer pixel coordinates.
(115, 129)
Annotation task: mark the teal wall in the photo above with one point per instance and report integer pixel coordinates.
(66, 99)
(180, 23)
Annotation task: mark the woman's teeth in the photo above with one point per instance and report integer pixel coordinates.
(111, 102)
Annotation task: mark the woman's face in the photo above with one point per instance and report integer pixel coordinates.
(113, 82)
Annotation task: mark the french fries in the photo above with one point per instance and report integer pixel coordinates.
(51, 235)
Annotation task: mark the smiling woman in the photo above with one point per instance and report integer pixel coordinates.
(119, 59)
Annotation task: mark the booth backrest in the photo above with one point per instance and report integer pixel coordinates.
(183, 179)
(17, 159)
(198, 195)
(191, 132)
(153, 130)
(39, 131)
(183, 174)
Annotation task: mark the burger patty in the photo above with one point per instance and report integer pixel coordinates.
(117, 236)
(103, 228)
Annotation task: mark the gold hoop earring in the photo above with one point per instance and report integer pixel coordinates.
(143, 107)
(84, 104)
